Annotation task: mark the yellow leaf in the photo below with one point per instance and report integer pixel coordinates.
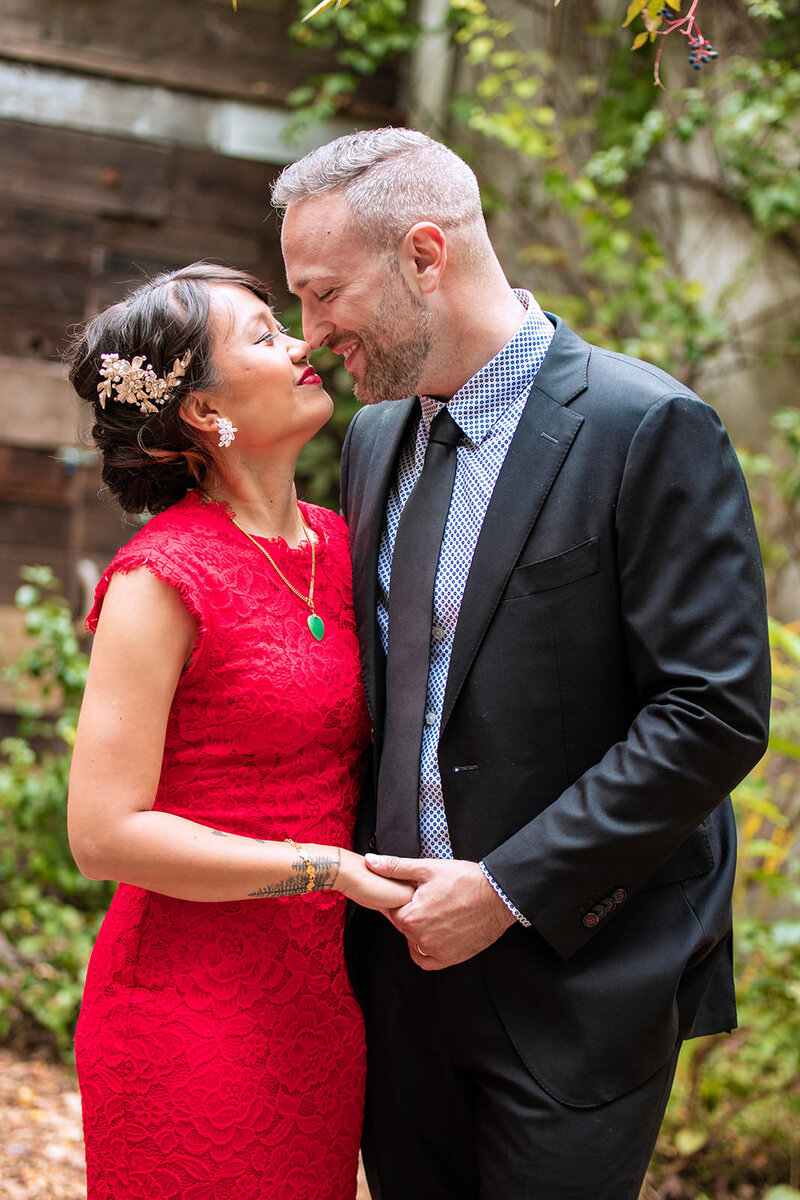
(676, 4)
(689, 1141)
(634, 8)
(235, 4)
(639, 41)
(319, 8)
(751, 827)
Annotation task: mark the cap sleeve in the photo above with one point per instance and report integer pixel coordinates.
(179, 576)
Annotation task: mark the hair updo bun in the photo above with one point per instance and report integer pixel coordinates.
(150, 460)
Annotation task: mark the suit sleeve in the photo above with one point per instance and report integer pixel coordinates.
(694, 614)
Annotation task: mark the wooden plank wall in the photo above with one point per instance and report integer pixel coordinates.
(83, 216)
(200, 45)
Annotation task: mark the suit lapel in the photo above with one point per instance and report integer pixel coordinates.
(370, 491)
(539, 447)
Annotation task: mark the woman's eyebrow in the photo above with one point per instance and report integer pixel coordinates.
(256, 322)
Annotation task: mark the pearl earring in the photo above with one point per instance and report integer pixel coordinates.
(227, 431)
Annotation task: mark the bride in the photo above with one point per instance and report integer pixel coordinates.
(216, 767)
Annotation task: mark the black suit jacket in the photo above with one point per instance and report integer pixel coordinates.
(608, 687)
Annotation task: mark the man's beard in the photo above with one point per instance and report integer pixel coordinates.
(395, 347)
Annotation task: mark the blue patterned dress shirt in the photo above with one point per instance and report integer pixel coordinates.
(487, 409)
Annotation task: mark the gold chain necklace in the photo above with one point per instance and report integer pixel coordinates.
(315, 623)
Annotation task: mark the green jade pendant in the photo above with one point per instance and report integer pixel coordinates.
(317, 626)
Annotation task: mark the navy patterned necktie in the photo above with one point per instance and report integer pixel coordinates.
(414, 564)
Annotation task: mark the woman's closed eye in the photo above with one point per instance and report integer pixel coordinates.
(270, 335)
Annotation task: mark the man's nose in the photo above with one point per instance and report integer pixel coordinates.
(315, 328)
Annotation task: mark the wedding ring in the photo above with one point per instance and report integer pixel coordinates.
(421, 952)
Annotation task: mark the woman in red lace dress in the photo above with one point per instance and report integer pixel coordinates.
(216, 767)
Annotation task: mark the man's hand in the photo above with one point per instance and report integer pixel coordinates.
(454, 913)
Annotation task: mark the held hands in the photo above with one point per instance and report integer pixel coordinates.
(368, 888)
(453, 914)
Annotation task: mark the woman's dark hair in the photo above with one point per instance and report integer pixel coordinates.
(152, 460)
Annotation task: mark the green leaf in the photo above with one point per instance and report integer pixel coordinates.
(634, 8)
(26, 596)
(639, 41)
(788, 749)
(763, 848)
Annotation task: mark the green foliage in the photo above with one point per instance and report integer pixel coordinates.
(49, 914)
(368, 34)
(756, 136)
(733, 1124)
(734, 1116)
(787, 422)
(765, 8)
(773, 476)
(317, 472)
(593, 233)
(581, 166)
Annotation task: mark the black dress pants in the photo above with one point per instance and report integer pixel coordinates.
(453, 1113)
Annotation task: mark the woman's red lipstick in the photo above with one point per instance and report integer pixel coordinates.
(309, 376)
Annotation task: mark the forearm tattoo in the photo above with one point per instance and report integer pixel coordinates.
(326, 867)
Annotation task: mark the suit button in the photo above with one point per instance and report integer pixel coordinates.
(619, 895)
(608, 904)
(373, 841)
(599, 911)
(590, 920)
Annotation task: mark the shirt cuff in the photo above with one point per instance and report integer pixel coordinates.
(522, 920)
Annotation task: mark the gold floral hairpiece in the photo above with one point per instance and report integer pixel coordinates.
(131, 382)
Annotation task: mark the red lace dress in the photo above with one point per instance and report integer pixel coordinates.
(219, 1047)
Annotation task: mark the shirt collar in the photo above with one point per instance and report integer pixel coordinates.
(479, 404)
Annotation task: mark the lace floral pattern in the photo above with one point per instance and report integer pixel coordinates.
(219, 1048)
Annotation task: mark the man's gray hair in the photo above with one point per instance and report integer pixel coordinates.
(391, 179)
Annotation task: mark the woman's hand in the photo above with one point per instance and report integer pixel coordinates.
(358, 883)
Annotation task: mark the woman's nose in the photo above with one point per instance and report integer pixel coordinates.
(299, 349)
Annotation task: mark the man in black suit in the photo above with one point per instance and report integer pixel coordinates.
(562, 622)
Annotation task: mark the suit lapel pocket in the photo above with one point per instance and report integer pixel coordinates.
(554, 572)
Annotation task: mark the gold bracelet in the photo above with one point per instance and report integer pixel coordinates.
(311, 870)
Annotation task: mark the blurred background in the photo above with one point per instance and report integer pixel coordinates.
(661, 220)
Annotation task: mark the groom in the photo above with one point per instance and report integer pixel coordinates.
(562, 624)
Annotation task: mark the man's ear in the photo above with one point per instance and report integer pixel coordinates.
(200, 410)
(423, 256)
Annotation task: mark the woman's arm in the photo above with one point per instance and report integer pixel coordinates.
(144, 637)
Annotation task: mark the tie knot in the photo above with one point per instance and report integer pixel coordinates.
(445, 430)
